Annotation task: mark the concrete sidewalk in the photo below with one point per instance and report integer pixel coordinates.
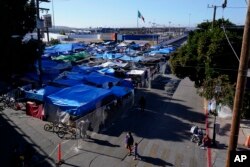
(217, 155)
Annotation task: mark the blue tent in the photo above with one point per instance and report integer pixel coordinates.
(63, 48)
(119, 91)
(84, 69)
(40, 94)
(100, 79)
(130, 58)
(107, 71)
(67, 82)
(78, 100)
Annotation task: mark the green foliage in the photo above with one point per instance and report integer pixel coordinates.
(208, 60)
(225, 96)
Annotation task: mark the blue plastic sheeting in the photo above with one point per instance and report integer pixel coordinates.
(129, 58)
(100, 79)
(126, 83)
(119, 91)
(68, 82)
(107, 71)
(63, 48)
(75, 76)
(40, 94)
(78, 100)
(109, 56)
(53, 66)
(84, 69)
(161, 51)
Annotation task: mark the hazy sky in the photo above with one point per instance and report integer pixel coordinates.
(123, 13)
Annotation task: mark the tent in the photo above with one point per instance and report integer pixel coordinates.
(98, 79)
(120, 91)
(63, 48)
(76, 100)
(41, 93)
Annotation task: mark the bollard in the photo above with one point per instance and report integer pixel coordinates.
(59, 156)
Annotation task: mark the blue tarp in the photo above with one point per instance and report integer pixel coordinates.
(100, 79)
(126, 83)
(130, 58)
(109, 55)
(63, 48)
(84, 69)
(74, 76)
(107, 71)
(78, 100)
(51, 66)
(119, 91)
(68, 82)
(40, 94)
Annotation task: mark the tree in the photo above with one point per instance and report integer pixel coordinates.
(18, 19)
(208, 60)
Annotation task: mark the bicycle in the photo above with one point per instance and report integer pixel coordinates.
(66, 130)
(52, 127)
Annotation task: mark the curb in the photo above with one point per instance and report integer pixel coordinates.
(209, 152)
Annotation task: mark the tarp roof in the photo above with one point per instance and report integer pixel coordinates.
(100, 79)
(119, 91)
(64, 48)
(78, 100)
(40, 94)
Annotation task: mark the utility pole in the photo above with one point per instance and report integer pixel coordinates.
(38, 20)
(214, 14)
(240, 88)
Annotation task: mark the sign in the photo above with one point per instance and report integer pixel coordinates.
(239, 158)
(39, 24)
(47, 21)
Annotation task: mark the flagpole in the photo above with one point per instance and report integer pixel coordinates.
(137, 18)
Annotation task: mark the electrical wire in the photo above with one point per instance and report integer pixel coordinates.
(224, 30)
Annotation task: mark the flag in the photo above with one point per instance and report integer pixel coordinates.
(140, 16)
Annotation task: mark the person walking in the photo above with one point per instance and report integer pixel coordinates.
(129, 141)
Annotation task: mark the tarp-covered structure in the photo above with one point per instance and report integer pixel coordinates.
(76, 101)
(65, 48)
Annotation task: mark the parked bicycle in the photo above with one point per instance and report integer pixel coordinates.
(68, 129)
(52, 127)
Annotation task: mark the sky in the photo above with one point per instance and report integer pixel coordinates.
(124, 13)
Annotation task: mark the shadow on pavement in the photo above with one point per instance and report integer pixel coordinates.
(164, 118)
(16, 145)
(102, 142)
(154, 161)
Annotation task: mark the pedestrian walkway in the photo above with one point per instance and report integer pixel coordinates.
(162, 132)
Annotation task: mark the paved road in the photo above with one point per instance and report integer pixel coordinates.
(162, 132)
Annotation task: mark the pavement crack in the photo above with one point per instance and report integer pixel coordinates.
(93, 160)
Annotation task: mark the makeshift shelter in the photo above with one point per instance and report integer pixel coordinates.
(101, 80)
(65, 48)
(75, 101)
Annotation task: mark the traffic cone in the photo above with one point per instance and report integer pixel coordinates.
(59, 155)
(247, 143)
